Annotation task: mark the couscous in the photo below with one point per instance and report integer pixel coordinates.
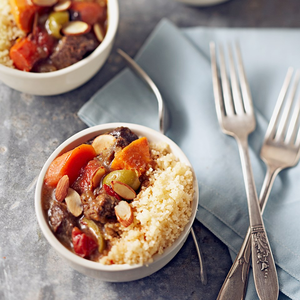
(9, 33)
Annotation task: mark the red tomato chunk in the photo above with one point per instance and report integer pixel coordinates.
(111, 192)
(83, 244)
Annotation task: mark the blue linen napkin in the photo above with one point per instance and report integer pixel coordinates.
(178, 62)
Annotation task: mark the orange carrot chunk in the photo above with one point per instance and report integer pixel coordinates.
(69, 163)
(23, 12)
(24, 54)
(135, 156)
(27, 51)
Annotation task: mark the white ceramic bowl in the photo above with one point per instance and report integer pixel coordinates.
(113, 273)
(69, 78)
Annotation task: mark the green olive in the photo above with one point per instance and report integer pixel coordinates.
(94, 227)
(55, 22)
(128, 177)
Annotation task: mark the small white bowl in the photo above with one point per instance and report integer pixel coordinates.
(112, 273)
(67, 79)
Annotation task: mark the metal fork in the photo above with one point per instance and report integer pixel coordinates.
(236, 117)
(280, 150)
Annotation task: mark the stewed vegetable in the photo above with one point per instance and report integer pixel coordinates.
(55, 22)
(128, 177)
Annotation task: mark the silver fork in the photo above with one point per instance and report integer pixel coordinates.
(236, 117)
(280, 150)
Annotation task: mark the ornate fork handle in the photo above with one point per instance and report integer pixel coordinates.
(235, 284)
(263, 265)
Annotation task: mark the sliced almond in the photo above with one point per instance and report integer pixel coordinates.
(35, 24)
(124, 213)
(45, 3)
(99, 32)
(123, 190)
(62, 188)
(62, 6)
(73, 202)
(102, 142)
(76, 28)
(97, 176)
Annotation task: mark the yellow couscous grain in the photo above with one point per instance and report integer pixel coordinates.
(161, 211)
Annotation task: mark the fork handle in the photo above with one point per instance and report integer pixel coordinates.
(235, 283)
(263, 265)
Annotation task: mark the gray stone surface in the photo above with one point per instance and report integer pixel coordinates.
(31, 127)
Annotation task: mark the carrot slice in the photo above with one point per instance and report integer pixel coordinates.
(135, 156)
(69, 163)
(28, 50)
(24, 54)
(23, 12)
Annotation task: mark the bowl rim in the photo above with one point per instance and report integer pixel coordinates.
(92, 265)
(113, 22)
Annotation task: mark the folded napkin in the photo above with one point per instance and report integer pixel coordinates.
(178, 62)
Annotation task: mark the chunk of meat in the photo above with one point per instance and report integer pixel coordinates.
(124, 136)
(72, 49)
(61, 220)
(99, 208)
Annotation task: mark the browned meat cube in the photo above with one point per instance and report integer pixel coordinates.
(72, 49)
(60, 219)
(100, 208)
(124, 136)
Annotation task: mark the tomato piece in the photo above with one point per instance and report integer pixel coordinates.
(69, 163)
(111, 192)
(96, 230)
(83, 182)
(44, 41)
(83, 244)
(89, 12)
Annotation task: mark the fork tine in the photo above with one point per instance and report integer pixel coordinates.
(294, 127)
(244, 83)
(286, 112)
(275, 116)
(216, 83)
(237, 99)
(297, 142)
(225, 85)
